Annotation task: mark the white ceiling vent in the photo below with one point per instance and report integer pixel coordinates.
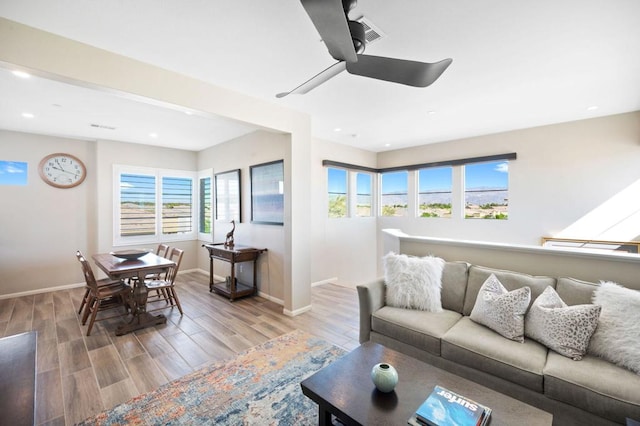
(371, 31)
(102, 126)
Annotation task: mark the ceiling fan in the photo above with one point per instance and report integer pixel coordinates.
(345, 40)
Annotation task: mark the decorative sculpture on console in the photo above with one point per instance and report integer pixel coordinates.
(229, 241)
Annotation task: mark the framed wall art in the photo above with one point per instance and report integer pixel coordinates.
(267, 193)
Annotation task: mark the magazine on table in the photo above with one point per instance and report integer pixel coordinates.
(446, 408)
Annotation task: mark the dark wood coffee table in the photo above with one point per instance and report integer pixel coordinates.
(345, 390)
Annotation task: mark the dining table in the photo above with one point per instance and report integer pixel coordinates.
(122, 269)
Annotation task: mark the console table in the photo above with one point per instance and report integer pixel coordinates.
(233, 288)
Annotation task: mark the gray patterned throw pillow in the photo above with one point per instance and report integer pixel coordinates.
(501, 310)
(564, 329)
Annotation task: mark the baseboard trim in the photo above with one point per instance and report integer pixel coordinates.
(41, 290)
(331, 280)
(271, 298)
(297, 311)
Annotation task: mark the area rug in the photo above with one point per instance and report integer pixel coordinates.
(261, 386)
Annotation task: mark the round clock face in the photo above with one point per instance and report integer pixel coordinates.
(62, 170)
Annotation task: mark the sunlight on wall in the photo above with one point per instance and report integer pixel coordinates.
(617, 219)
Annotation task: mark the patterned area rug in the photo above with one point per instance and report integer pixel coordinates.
(261, 386)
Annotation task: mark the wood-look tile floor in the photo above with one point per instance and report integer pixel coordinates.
(79, 376)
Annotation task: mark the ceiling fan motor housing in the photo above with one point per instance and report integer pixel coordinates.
(348, 5)
(357, 36)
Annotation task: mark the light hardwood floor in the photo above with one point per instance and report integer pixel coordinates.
(78, 376)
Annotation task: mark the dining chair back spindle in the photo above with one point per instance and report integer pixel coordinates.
(105, 282)
(100, 295)
(166, 286)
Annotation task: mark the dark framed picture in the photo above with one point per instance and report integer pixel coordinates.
(267, 193)
(228, 199)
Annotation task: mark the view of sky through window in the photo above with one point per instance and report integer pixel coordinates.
(486, 192)
(486, 188)
(13, 173)
(434, 192)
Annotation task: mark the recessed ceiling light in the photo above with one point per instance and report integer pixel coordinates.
(188, 112)
(153, 135)
(337, 129)
(431, 112)
(27, 115)
(387, 145)
(592, 108)
(21, 74)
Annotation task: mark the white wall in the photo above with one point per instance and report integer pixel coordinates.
(241, 153)
(110, 153)
(62, 59)
(343, 249)
(41, 227)
(562, 173)
(621, 268)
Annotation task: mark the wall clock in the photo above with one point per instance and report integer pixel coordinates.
(62, 170)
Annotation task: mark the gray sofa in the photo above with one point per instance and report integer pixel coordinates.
(587, 392)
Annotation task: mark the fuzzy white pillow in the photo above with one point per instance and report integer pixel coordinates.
(413, 282)
(617, 337)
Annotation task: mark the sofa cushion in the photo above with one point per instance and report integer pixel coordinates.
(575, 292)
(454, 285)
(617, 338)
(565, 329)
(478, 347)
(509, 279)
(594, 385)
(413, 282)
(501, 310)
(421, 329)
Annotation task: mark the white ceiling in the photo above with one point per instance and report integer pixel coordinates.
(515, 64)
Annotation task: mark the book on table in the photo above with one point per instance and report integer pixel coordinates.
(446, 408)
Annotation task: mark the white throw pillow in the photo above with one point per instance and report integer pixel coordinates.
(617, 338)
(413, 282)
(501, 310)
(564, 329)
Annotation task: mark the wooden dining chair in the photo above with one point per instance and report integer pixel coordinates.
(101, 298)
(105, 282)
(166, 286)
(162, 250)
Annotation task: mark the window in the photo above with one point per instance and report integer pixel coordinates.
(486, 193)
(177, 205)
(139, 192)
(205, 211)
(228, 200)
(394, 193)
(337, 184)
(137, 205)
(434, 192)
(364, 196)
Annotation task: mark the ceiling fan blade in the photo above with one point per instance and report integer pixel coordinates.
(331, 22)
(411, 73)
(316, 80)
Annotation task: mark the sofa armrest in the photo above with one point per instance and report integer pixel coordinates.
(371, 297)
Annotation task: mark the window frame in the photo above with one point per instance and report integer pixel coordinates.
(158, 236)
(372, 195)
(408, 193)
(418, 191)
(465, 191)
(347, 212)
(204, 174)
